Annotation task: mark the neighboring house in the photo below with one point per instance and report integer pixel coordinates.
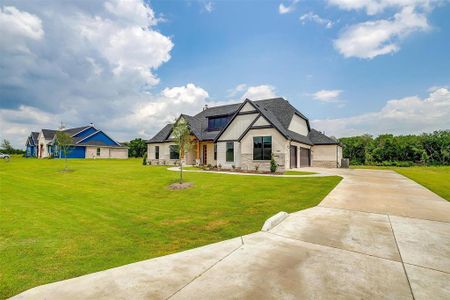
(246, 135)
(88, 142)
(32, 145)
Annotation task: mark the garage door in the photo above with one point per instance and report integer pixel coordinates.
(305, 157)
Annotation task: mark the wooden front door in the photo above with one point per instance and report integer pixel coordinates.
(305, 157)
(293, 155)
(205, 154)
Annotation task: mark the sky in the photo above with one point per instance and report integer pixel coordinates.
(131, 66)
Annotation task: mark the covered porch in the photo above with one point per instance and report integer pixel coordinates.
(201, 153)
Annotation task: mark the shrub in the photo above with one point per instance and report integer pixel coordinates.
(273, 165)
(257, 167)
(233, 166)
(144, 159)
(219, 166)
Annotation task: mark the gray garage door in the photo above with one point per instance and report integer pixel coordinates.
(305, 157)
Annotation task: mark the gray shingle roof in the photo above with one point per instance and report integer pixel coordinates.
(277, 111)
(75, 130)
(318, 138)
(48, 133)
(99, 143)
(162, 135)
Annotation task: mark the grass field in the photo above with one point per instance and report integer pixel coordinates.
(436, 179)
(298, 173)
(108, 213)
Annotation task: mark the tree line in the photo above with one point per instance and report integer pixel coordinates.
(402, 150)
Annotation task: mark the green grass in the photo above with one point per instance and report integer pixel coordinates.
(108, 213)
(298, 173)
(436, 179)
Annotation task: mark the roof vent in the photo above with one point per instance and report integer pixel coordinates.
(205, 107)
(91, 124)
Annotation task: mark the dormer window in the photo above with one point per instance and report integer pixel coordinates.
(217, 123)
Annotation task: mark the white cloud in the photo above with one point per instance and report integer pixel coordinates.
(78, 62)
(208, 6)
(259, 92)
(285, 9)
(373, 7)
(262, 91)
(237, 90)
(17, 28)
(327, 95)
(401, 116)
(312, 17)
(372, 38)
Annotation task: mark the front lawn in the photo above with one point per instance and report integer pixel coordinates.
(436, 179)
(108, 213)
(298, 173)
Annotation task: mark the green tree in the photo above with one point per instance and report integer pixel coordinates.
(137, 147)
(182, 137)
(64, 142)
(6, 147)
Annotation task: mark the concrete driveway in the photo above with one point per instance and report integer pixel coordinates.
(377, 235)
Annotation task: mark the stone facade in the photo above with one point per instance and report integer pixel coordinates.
(247, 163)
(324, 164)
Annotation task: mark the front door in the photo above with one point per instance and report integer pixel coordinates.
(41, 149)
(205, 154)
(305, 160)
(293, 155)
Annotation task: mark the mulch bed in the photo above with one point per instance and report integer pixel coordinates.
(180, 186)
(242, 171)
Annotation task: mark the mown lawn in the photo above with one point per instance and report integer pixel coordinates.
(109, 213)
(298, 173)
(436, 179)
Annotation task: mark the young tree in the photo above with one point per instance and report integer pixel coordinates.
(182, 137)
(64, 142)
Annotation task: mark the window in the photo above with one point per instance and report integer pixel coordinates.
(156, 152)
(174, 153)
(98, 151)
(217, 123)
(262, 147)
(215, 151)
(230, 152)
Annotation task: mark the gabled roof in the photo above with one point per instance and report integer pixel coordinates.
(34, 136)
(162, 135)
(73, 131)
(49, 134)
(277, 111)
(318, 138)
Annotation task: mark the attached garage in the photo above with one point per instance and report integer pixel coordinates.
(305, 157)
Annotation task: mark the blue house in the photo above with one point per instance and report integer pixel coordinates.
(32, 142)
(87, 142)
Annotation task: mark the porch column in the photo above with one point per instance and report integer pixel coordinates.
(197, 155)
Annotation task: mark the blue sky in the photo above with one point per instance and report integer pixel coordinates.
(352, 66)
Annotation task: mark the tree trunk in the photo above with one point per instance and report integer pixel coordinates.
(181, 172)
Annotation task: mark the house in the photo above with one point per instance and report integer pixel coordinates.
(246, 135)
(31, 144)
(88, 142)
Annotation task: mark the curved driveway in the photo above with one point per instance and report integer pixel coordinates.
(377, 235)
